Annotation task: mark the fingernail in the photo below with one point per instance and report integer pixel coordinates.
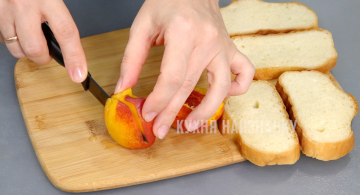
(162, 131)
(150, 116)
(78, 75)
(192, 125)
(118, 86)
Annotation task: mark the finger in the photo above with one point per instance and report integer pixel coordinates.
(167, 116)
(31, 37)
(135, 55)
(244, 71)
(67, 34)
(219, 78)
(1, 38)
(8, 30)
(173, 71)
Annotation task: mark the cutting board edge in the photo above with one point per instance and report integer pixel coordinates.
(109, 184)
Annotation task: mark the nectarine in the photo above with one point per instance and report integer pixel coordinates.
(125, 123)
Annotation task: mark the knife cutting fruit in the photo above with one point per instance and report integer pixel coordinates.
(192, 32)
(123, 110)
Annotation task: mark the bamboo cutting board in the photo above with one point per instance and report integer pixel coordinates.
(68, 133)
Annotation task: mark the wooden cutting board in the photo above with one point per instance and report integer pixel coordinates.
(63, 122)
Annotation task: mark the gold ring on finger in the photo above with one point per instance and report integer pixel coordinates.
(11, 39)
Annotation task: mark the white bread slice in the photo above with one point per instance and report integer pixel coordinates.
(323, 113)
(274, 54)
(255, 16)
(259, 123)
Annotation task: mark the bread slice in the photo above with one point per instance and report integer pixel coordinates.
(323, 113)
(259, 123)
(276, 53)
(255, 16)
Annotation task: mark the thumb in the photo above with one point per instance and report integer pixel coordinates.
(135, 55)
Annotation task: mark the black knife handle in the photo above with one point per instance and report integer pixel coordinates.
(54, 48)
(55, 51)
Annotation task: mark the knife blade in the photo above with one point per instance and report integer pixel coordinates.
(89, 83)
(55, 52)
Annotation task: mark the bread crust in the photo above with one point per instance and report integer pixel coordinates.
(274, 72)
(322, 151)
(256, 156)
(275, 31)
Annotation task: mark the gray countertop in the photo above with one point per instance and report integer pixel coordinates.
(20, 171)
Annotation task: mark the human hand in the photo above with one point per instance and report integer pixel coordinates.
(23, 18)
(195, 39)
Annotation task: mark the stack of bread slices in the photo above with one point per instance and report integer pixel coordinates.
(305, 110)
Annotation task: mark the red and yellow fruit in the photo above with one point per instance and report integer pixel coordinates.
(125, 123)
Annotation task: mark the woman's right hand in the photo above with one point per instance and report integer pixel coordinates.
(23, 18)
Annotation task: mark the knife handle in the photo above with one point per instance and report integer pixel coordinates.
(55, 51)
(54, 48)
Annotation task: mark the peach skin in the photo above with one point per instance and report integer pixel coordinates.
(190, 104)
(125, 123)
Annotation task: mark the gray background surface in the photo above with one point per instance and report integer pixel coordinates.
(20, 171)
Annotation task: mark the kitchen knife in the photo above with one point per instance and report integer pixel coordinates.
(55, 52)
(89, 83)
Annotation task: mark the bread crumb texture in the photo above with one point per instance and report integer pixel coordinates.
(324, 111)
(253, 16)
(309, 49)
(261, 119)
